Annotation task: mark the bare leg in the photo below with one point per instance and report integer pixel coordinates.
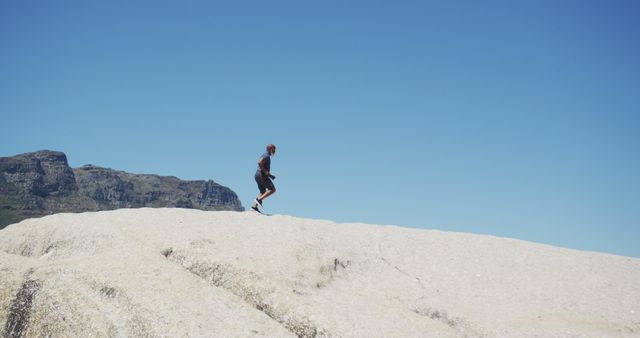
(255, 204)
(266, 194)
(263, 196)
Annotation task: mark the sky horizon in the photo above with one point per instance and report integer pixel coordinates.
(517, 120)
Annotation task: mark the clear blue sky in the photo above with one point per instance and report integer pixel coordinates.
(512, 118)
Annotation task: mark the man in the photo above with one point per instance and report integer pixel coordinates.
(263, 177)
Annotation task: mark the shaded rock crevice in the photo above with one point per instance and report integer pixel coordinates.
(112, 299)
(252, 288)
(18, 317)
(330, 271)
(460, 325)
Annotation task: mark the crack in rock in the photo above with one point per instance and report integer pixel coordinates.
(337, 262)
(458, 324)
(252, 288)
(166, 252)
(108, 291)
(18, 317)
(123, 323)
(328, 272)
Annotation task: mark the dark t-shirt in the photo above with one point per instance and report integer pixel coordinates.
(266, 163)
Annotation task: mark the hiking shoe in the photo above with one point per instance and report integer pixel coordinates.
(255, 208)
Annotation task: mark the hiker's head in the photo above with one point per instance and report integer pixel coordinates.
(271, 149)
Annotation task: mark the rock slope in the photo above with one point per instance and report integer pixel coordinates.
(181, 272)
(42, 183)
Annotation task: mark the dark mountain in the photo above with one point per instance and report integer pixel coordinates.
(42, 183)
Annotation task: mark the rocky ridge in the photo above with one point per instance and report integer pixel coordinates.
(159, 272)
(42, 183)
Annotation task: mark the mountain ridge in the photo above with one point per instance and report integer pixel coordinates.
(41, 183)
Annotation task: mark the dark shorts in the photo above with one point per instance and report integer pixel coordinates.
(264, 183)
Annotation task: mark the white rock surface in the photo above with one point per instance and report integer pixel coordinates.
(179, 272)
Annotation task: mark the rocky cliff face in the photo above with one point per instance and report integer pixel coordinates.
(43, 173)
(42, 183)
